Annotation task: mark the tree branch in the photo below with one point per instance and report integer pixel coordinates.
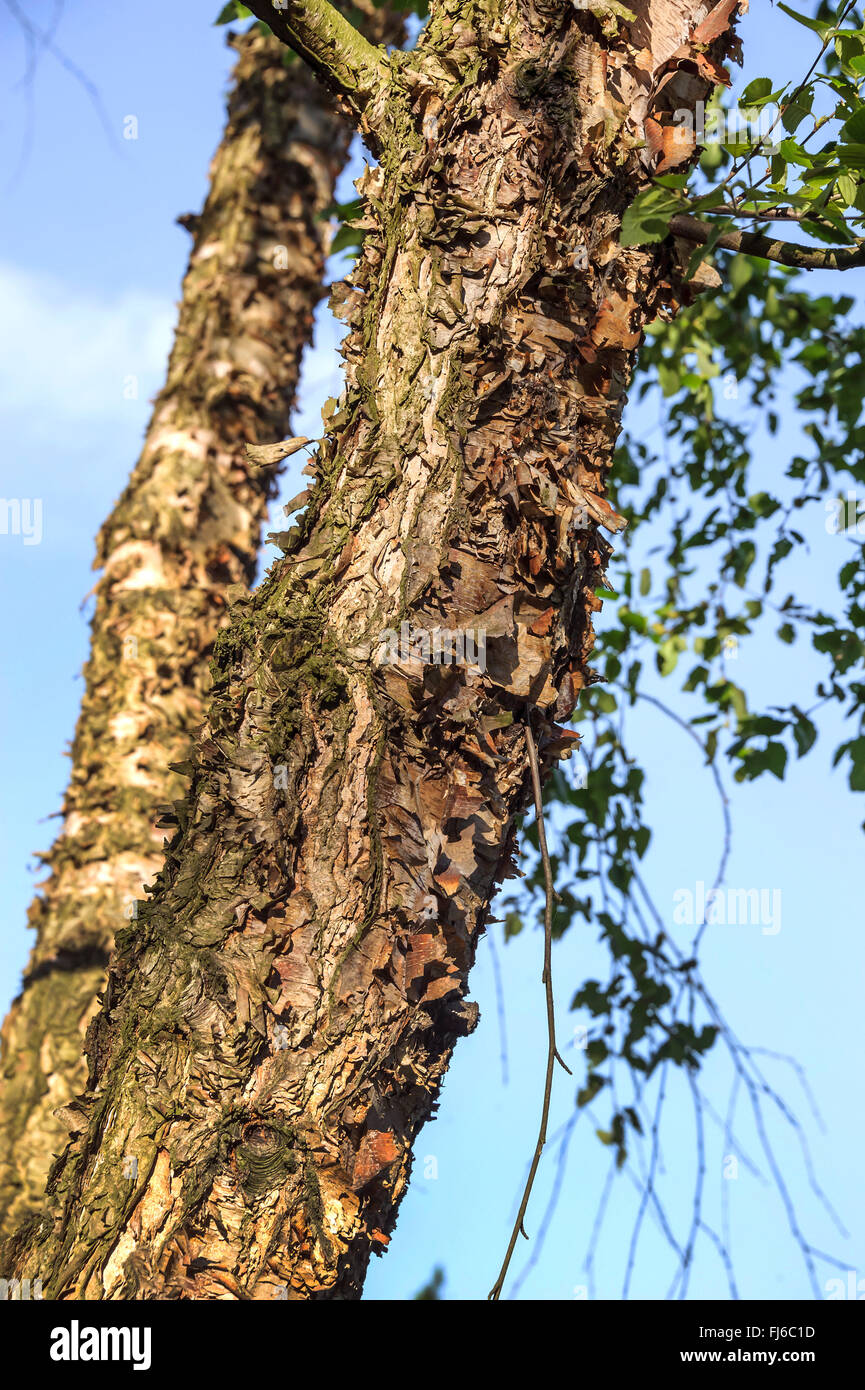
(553, 1054)
(759, 214)
(784, 252)
(344, 61)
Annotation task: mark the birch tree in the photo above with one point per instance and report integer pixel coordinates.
(656, 1010)
(281, 1012)
(185, 529)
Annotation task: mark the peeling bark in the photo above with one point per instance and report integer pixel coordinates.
(280, 1016)
(187, 525)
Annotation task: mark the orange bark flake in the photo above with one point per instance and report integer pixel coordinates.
(377, 1151)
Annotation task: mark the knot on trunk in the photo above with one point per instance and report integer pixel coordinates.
(264, 1157)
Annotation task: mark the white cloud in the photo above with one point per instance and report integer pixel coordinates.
(66, 355)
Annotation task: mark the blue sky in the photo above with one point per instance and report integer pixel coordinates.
(90, 266)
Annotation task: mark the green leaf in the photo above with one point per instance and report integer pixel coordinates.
(587, 1093)
(233, 10)
(513, 925)
(819, 26)
(795, 111)
(347, 238)
(596, 1052)
(776, 759)
(795, 154)
(757, 91)
(848, 187)
(853, 131)
(740, 272)
(648, 217)
(804, 733)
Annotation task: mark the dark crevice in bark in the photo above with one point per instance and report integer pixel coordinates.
(80, 958)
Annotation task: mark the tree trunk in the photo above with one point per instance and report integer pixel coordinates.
(280, 1016)
(187, 525)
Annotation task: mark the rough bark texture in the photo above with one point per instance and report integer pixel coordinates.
(187, 525)
(281, 1014)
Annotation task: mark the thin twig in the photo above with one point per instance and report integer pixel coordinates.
(500, 1007)
(553, 1054)
(552, 1204)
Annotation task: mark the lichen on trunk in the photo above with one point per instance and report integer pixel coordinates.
(279, 1019)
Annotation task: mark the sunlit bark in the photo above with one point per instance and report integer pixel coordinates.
(281, 1015)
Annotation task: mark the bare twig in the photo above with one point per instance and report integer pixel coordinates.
(553, 1054)
(500, 1008)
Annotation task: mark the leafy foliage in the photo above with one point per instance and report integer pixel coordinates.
(721, 530)
(772, 161)
(711, 535)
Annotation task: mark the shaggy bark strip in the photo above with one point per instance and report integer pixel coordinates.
(280, 1016)
(187, 525)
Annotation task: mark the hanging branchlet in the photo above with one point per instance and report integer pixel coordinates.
(553, 1054)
